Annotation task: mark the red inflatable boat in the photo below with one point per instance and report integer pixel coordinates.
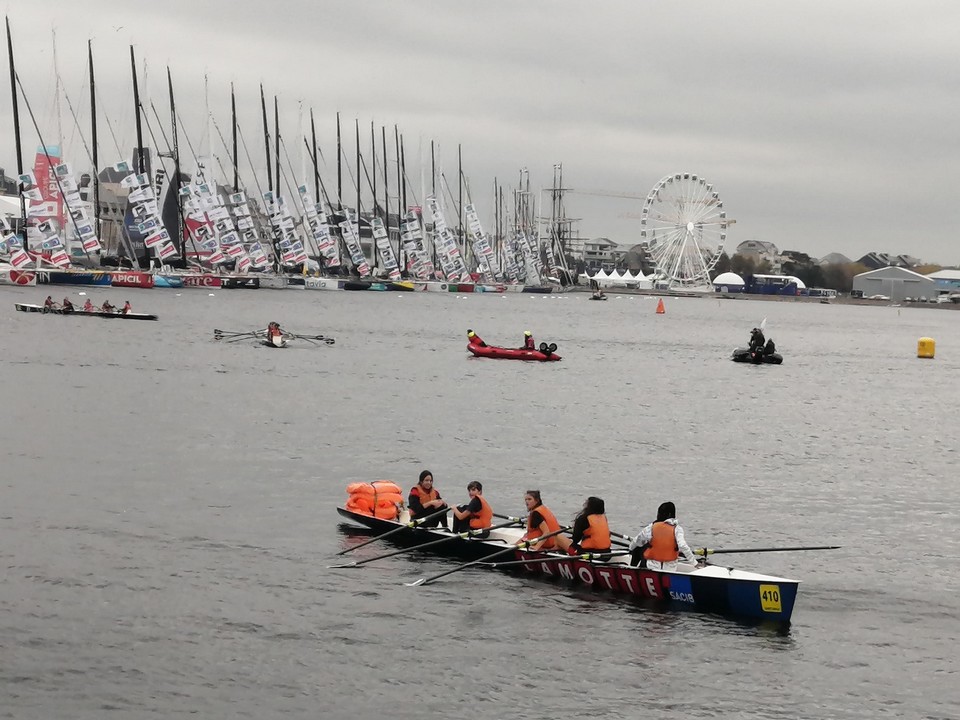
(502, 353)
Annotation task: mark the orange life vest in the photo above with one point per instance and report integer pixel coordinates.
(484, 518)
(424, 496)
(663, 545)
(552, 526)
(597, 535)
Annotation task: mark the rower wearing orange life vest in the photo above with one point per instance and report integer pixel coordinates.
(425, 500)
(660, 543)
(590, 529)
(476, 514)
(540, 522)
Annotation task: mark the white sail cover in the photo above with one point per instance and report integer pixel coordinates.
(451, 262)
(382, 240)
(483, 252)
(411, 235)
(351, 238)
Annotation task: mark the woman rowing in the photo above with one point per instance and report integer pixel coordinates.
(659, 544)
(540, 521)
(590, 529)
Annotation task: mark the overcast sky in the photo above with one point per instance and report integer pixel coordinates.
(825, 126)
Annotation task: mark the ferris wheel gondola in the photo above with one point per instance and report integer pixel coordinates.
(685, 226)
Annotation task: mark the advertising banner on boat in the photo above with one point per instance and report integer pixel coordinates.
(44, 170)
(130, 278)
(201, 281)
(9, 276)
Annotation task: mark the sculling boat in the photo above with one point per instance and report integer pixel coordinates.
(746, 355)
(26, 307)
(502, 353)
(710, 588)
(275, 341)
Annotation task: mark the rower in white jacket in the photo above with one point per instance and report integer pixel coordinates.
(661, 543)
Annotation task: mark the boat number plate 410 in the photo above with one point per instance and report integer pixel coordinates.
(770, 598)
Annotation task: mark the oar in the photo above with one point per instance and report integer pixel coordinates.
(708, 551)
(314, 338)
(462, 536)
(413, 524)
(512, 548)
(230, 333)
(558, 558)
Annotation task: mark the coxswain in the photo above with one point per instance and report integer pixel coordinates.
(476, 514)
(67, 305)
(474, 339)
(107, 307)
(425, 500)
(528, 343)
(126, 308)
(660, 543)
(590, 530)
(540, 522)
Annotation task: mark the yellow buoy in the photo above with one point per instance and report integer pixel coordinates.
(926, 347)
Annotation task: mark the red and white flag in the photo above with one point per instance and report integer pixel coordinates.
(19, 259)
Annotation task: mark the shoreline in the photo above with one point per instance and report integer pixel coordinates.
(770, 298)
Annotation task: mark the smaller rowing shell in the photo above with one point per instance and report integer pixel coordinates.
(26, 307)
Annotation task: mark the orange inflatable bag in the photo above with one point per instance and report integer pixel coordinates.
(381, 498)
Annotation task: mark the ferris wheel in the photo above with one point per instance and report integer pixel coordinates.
(685, 226)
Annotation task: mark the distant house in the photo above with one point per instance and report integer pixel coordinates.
(875, 261)
(601, 253)
(895, 283)
(834, 259)
(758, 250)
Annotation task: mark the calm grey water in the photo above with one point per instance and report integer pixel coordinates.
(167, 507)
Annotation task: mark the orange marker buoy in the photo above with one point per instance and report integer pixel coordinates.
(660, 309)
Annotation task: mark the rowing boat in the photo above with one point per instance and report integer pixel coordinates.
(708, 588)
(275, 341)
(27, 307)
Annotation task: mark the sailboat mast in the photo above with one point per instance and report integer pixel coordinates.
(266, 139)
(233, 122)
(141, 165)
(396, 142)
(276, 140)
(460, 198)
(16, 133)
(339, 166)
(373, 168)
(313, 148)
(93, 132)
(357, 132)
(177, 180)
